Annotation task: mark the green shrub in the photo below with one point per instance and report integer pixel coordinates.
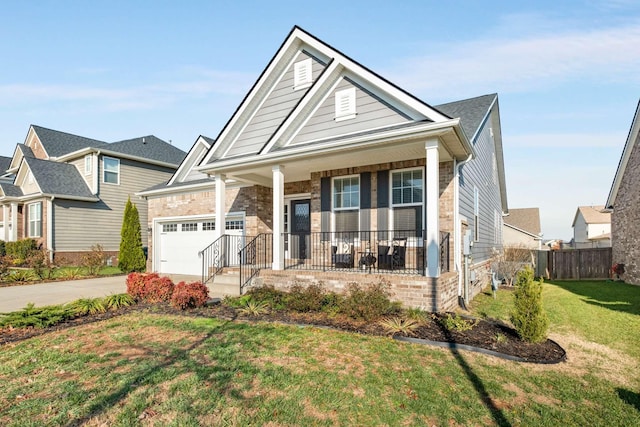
(85, 306)
(252, 307)
(40, 262)
(69, 273)
(36, 317)
(305, 298)
(457, 323)
(528, 316)
(20, 250)
(398, 325)
(20, 276)
(94, 260)
(116, 301)
(370, 303)
(3, 249)
(189, 295)
(268, 294)
(131, 255)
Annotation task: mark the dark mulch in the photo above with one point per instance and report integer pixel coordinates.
(485, 334)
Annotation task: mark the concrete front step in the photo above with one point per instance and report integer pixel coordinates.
(225, 284)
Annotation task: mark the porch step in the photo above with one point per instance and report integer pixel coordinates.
(225, 284)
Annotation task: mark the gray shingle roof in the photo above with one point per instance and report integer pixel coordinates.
(149, 147)
(4, 164)
(470, 111)
(58, 143)
(62, 179)
(11, 190)
(25, 150)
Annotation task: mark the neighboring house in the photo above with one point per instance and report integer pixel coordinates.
(522, 228)
(69, 192)
(329, 173)
(591, 227)
(5, 176)
(624, 205)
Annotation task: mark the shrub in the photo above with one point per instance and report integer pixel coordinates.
(252, 307)
(305, 298)
(84, 306)
(3, 249)
(94, 260)
(69, 273)
(528, 316)
(136, 284)
(370, 303)
(40, 262)
(116, 301)
(398, 325)
(20, 276)
(268, 294)
(189, 295)
(37, 317)
(131, 255)
(5, 263)
(457, 323)
(20, 250)
(149, 287)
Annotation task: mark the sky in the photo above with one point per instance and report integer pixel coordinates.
(567, 74)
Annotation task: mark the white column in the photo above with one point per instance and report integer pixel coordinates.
(278, 217)
(221, 189)
(433, 208)
(5, 222)
(14, 223)
(49, 227)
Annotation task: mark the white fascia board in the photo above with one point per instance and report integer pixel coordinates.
(110, 153)
(427, 130)
(624, 159)
(188, 162)
(177, 189)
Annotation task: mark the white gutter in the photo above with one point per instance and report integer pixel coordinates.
(457, 226)
(96, 172)
(108, 152)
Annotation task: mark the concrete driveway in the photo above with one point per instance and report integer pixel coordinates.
(14, 298)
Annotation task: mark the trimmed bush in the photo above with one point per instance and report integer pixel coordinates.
(370, 303)
(20, 250)
(189, 295)
(131, 255)
(3, 249)
(136, 285)
(528, 316)
(305, 298)
(269, 295)
(159, 289)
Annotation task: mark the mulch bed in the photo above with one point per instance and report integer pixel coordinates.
(494, 337)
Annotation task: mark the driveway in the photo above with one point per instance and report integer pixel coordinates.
(14, 298)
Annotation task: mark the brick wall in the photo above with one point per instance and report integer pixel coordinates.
(625, 219)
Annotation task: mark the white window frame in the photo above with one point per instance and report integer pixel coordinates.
(104, 170)
(476, 214)
(411, 241)
(35, 223)
(302, 74)
(335, 209)
(345, 104)
(401, 204)
(188, 227)
(88, 161)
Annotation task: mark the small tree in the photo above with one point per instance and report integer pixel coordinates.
(528, 316)
(131, 256)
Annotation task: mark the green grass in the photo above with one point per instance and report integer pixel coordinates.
(152, 369)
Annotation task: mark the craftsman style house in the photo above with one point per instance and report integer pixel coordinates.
(623, 203)
(68, 192)
(329, 173)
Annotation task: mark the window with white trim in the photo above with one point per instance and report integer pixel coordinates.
(35, 219)
(406, 200)
(189, 226)
(208, 226)
(111, 170)
(345, 104)
(87, 164)
(302, 74)
(169, 228)
(346, 204)
(476, 214)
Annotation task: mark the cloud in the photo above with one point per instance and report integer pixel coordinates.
(522, 64)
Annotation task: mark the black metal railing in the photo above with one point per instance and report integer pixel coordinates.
(223, 252)
(257, 254)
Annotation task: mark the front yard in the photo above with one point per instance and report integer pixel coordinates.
(148, 368)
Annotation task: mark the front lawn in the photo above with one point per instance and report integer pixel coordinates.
(148, 368)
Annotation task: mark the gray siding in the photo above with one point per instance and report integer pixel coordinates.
(273, 112)
(79, 164)
(79, 225)
(371, 113)
(479, 173)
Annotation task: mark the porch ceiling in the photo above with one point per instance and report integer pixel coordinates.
(300, 166)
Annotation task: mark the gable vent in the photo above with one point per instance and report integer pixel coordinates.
(302, 74)
(345, 104)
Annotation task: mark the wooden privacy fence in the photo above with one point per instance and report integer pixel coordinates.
(594, 263)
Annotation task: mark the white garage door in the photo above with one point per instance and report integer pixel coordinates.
(180, 241)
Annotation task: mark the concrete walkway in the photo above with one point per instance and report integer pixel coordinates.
(14, 298)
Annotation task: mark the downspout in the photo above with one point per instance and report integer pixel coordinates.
(457, 226)
(50, 227)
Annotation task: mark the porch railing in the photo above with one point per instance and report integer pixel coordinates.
(257, 254)
(223, 252)
(382, 251)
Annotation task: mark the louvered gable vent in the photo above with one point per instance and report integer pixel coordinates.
(345, 104)
(302, 74)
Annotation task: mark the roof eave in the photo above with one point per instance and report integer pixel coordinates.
(624, 158)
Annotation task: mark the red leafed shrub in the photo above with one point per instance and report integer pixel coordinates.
(149, 287)
(188, 295)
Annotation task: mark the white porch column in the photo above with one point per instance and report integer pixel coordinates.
(278, 217)
(5, 223)
(13, 236)
(433, 208)
(221, 190)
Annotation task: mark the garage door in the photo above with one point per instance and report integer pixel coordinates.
(180, 242)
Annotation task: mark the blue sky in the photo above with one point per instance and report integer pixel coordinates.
(567, 73)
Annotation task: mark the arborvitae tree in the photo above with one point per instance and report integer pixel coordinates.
(528, 316)
(131, 257)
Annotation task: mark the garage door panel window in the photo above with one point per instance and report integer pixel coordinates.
(189, 226)
(208, 226)
(169, 228)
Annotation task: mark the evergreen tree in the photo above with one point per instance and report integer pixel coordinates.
(131, 257)
(528, 316)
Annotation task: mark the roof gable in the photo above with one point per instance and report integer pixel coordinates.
(338, 66)
(59, 179)
(194, 156)
(20, 152)
(526, 219)
(592, 215)
(632, 140)
(57, 144)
